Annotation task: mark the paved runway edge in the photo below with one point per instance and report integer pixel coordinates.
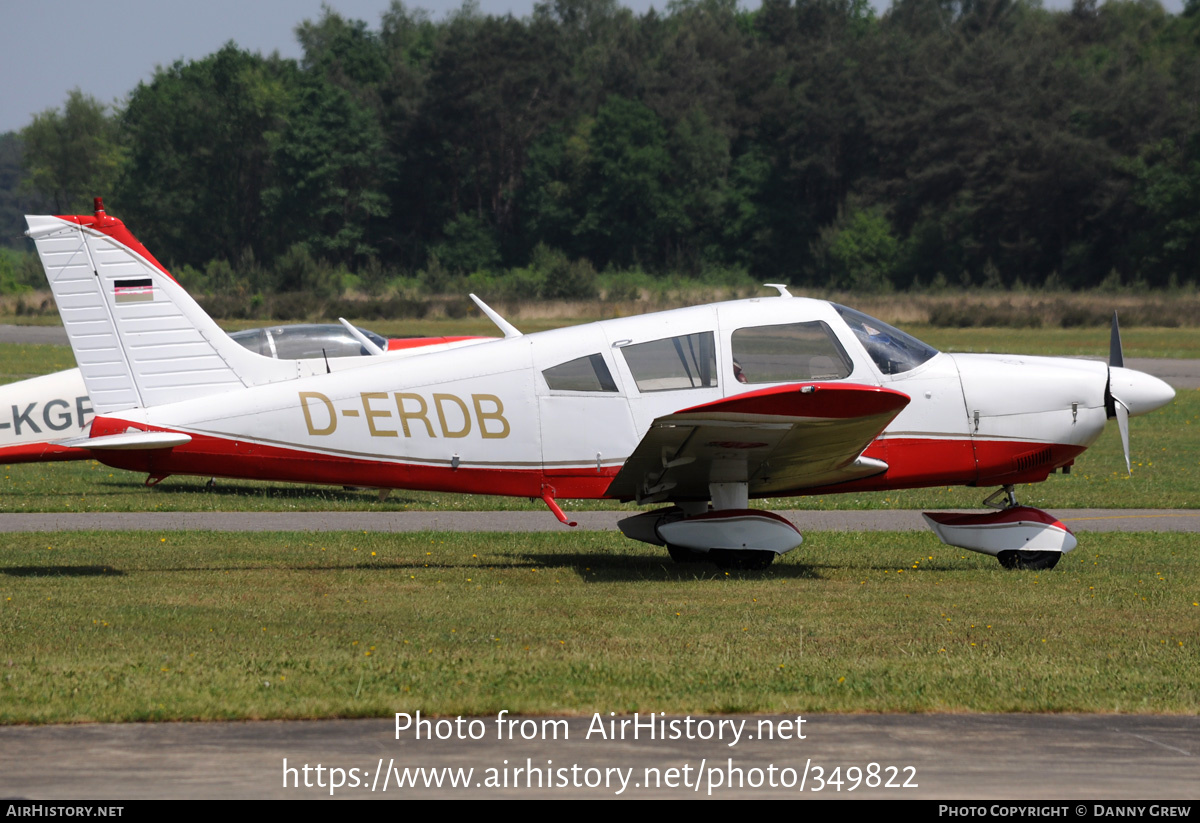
(1024, 756)
(1087, 520)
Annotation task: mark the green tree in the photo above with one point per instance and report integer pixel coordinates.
(494, 86)
(345, 53)
(200, 138)
(13, 204)
(805, 139)
(632, 216)
(328, 181)
(983, 129)
(862, 253)
(1166, 244)
(699, 178)
(71, 155)
(552, 200)
(469, 246)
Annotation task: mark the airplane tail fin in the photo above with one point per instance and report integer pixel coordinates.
(139, 338)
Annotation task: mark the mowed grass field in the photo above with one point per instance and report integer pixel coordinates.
(129, 626)
(142, 626)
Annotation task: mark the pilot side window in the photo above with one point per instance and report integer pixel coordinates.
(588, 373)
(673, 363)
(787, 353)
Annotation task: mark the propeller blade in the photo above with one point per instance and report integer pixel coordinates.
(1123, 425)
(1117, 409)
(1115, 356)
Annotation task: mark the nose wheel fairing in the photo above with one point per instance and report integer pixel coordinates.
(1020, 537)
(1018, 528)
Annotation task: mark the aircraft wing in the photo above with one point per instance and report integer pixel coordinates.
(776, 440)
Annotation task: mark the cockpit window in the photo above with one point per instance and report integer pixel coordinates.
(892, 350)
(588, 373)
(673, 363)
(788, 352)
(305, 342)
(253, 339)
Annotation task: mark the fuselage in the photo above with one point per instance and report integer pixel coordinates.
(565, 408)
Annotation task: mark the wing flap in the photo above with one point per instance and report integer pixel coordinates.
(777, 440)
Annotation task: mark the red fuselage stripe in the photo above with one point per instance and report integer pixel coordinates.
(912, 463)
(400, 343)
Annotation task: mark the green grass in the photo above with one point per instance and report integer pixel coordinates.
(50, 318)
(20, 361)
(1135, 342)
(141, 626)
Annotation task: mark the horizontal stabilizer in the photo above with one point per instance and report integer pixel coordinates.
(130, 441)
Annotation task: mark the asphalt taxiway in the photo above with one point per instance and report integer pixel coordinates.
(959, 757)
(1087, 520)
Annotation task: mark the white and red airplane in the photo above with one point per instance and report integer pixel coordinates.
(703, 408)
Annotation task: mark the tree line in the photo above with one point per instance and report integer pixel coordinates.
(945, 142)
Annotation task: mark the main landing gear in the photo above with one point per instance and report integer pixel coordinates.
(1019, 537)
(728, 534)
(732, 536)
(743, 559)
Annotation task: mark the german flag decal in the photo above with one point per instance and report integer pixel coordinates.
(134, 291)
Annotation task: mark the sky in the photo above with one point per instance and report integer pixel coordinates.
(106, 48)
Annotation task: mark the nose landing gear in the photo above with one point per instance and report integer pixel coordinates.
(1033, 561)
(1019, 537)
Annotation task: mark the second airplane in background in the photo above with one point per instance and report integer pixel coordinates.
(38, 414)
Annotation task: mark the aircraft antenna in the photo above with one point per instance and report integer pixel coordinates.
(783, 289)
(508, 328)
(367, 343)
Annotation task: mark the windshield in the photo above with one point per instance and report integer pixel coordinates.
(892, 350)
